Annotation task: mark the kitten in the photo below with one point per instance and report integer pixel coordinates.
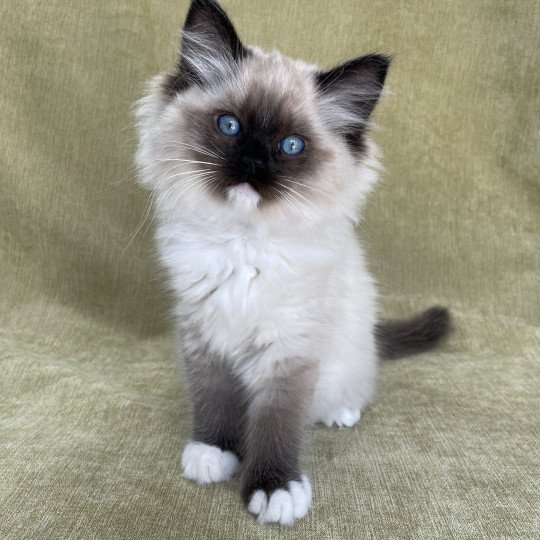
(258, 165)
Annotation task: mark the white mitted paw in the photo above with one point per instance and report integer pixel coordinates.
(283, 506)
(206, 464)
(344, 417)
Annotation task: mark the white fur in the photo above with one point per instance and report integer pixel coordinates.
(206, 464)
(199, 51)
(284, 505)
(343, 417)
(243, 197)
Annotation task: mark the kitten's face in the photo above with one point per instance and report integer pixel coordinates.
(259, 131)
(251, 130)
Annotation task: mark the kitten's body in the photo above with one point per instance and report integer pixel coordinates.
(276, 311)
(256, 292)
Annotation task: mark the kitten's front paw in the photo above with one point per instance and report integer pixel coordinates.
(205, 464)
(282, 506)
(343, 417)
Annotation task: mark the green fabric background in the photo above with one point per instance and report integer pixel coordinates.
(92, 412)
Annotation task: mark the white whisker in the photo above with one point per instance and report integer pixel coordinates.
(179, 144)
(294, 191)
(309, 187)
(294, 194)
(179, 160)
(200, 182)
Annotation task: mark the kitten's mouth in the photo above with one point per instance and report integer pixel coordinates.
(243, 196)
(245, 189)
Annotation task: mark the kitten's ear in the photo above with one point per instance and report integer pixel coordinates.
(350, 92)
(211, 48)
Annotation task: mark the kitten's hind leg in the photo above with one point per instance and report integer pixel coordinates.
(342, 417)
(212, 454)
(346, 382)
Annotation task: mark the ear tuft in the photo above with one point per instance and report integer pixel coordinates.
(211, 48)
(349, 93)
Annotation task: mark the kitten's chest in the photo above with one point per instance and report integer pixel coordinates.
(243, 288)
(228, 279)
(233, 283)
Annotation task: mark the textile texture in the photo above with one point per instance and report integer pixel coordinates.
(93, 414)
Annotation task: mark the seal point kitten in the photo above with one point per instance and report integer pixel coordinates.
(258, 165)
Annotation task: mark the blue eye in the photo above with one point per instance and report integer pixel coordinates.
(292, 145)
(228, 125)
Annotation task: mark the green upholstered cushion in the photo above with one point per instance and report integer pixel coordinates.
(92, 411)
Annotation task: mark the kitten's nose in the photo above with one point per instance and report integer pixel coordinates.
(251, 165)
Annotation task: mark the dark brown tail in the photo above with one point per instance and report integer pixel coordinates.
(410, 336)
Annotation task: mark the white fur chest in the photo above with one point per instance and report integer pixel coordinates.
(242, 286)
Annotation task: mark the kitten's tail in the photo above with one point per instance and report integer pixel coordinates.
(409, 336)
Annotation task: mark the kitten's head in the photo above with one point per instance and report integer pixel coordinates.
(253, 133)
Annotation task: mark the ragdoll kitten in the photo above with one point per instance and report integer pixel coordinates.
(258, 165)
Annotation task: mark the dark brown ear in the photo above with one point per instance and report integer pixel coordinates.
(210, 47)
(351, 91)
